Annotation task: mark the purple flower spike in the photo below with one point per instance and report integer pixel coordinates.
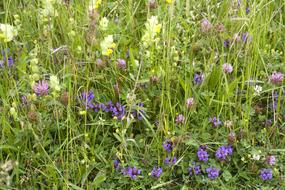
(156, 172)
(223, 152)
(87, 98)
(189, 103)
(131, 172)
(41, 88)
(266, 174)
(121, 63)
(199, 78)
(276, 78)
(227, 68)
(116, 164)
(202, 154)
(170, 161)
(271, 160)
(168, 145)
(180, 119)
(215, 121)
(206, 26)
(212, 172)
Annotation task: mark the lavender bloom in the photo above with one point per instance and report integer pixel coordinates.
(116, 164)
(223, 152)
(247, 10)
(132, 172)
(227, 43)
(10, 61)
(24, 100)
(118, 111)
(156, 172)
(87, 98)
(227, 68)
(196, 170)
(180, 119)
(41, 88)
(198, 78)
(212, 172)
(246, 37)
(266, 174)
(271, 160)
(170, 161)
(168, 145)
(276, 78)
(108, 107)
(215, 121)
(121, 63)
(202, 154)
(189, 103)
(206, 26)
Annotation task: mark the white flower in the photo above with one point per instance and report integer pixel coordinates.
(257, 90)
(104, 23)
(54, 83)
(255, 157)
(7, 32)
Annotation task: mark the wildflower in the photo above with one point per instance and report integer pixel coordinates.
(152, 29)
(100, 63)
(247, 10)
(87, 98)
(223, 152)
(271, 160)
(118, 111)
(170, 161)
(266, 174)
(219, 28)
(154, 79)
(180, 119)
(189, 102)
(212, 172)
(228, 124)
(195, 169)
(227, 42)
(41, 88)
(168, 145)
(104, 23)
(276, 78)
(199, 78)
(156, 172)
(94, 4)
(246, 37)
(202, 154)
(24, 100)
(206, 26)
(257, 90)
(107, 45)
(132, 172)
(231, 137)
(215, 121)
(169, 1)
(116, 164)
(54, 83)
(227, 68)
(121, 64)
(152, 4)
(256, 157)
(7, 32)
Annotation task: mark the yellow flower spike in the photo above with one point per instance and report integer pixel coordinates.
(109, 52)
(82, 112)
(158, 28)
(169, 1)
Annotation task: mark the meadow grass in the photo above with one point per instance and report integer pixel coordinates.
(63, 135)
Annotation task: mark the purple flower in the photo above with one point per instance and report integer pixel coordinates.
(215, 121)
(170, 161)
(189, 102)
(271, 160)
(168, 145)
(118, 111)
(199, 78)
(276, 78)
(247, 10)
(132, 172)
(24, 100)
(10, 61)
(266, 174)
(121, 63)
(202, 154)
(156, 172)
(212, 172)
(87, 98)
(41, 88)
(246, 37)
(227, 68)
(180, 119)
(227, 42)
(223, 152)
(206, 26)
(196, 170)
(116, 164)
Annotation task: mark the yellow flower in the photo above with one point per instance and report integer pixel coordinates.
(94, 4)
(107, 45)
(169, 1)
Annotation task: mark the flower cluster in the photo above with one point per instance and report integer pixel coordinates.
(152, 29)
(223, 152)
(107, 45)
(202, 154)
